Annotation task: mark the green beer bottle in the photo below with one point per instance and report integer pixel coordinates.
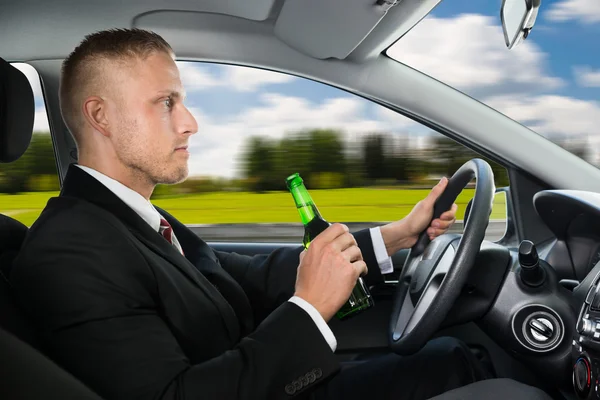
(360, 298)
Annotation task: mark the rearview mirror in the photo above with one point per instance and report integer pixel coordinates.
(518, 18)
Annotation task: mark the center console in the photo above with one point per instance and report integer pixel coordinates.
(586, 347)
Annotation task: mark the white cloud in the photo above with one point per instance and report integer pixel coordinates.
(586, 76)
(468, 52)
(196, 77)
(586, 11)
(217, 146)
(552, 115)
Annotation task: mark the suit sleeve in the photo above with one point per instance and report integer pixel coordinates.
(270, 279)
(92, 297)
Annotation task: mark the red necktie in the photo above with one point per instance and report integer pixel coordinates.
(166, 230)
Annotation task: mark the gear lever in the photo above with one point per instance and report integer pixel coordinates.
(532, 274)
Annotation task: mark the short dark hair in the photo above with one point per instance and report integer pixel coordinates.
(83, 67)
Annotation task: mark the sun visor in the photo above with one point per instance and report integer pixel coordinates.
(331, 28)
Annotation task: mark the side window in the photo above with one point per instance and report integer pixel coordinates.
(363, 164)
(28, 183)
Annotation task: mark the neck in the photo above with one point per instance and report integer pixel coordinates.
(130, 177)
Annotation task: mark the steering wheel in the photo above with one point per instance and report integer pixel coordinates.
(434, 272)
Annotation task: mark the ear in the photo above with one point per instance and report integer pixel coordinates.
(95, 113)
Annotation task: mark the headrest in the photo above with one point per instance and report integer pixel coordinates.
(17, 111)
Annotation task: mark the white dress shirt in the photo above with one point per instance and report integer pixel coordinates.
(148, 213)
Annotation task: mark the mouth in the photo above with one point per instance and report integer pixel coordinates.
(182, 149)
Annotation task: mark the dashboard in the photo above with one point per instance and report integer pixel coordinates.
(574, 219)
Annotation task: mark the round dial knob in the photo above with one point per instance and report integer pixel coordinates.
(582, 377)
(586, 327)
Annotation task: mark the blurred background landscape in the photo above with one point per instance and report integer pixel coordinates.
(380, 180)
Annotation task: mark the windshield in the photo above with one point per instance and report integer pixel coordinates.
(549, 83)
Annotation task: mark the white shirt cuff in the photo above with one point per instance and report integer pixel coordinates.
(385, 262)
(319, 321)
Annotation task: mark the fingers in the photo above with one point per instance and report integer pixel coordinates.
(302, 254)
(450, 214)
(352, 254)
(437, 190)
(446, 219)
(435, 232)
(331, 233)
(440, 225)
(343, 242)
(360, 267)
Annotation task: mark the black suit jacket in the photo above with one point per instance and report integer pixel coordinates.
(120, 308)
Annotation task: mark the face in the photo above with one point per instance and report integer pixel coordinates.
(150, 126)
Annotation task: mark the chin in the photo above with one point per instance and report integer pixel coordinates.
(178, 176)
(170, 174)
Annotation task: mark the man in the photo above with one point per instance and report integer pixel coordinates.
(130, 301)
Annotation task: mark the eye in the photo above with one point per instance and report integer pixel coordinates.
(168, 102)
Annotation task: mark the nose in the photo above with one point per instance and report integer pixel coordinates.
(187, 123)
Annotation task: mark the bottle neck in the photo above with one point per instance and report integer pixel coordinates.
(305, 204)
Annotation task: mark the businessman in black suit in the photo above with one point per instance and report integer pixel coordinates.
(134, 304)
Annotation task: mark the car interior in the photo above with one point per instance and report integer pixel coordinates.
(528, 305)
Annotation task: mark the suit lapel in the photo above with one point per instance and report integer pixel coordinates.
(201, 255)
(80, 184)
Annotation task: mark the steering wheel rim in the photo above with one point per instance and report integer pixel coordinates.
(435, 272)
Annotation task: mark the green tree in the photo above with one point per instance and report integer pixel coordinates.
(14, 176)
(33, 171)
(318, 155)
(374, 157)
(327, 151)
(42, 149)
(259, 165)
(294, 154)
(450, 155)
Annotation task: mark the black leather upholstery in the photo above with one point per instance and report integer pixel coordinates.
(25, 373)
(17, 110)
(12, 233)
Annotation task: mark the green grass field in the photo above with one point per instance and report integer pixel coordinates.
(347, 205)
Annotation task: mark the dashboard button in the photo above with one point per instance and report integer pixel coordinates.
(582, 376)
(586, 327)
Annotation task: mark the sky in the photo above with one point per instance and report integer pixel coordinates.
(550, 83)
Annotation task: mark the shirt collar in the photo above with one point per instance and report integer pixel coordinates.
(133, 199)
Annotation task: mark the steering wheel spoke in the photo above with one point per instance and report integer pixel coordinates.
(424, 279)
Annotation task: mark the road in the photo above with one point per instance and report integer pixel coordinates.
(292, 233)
